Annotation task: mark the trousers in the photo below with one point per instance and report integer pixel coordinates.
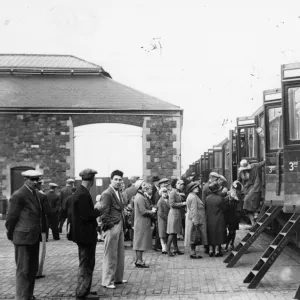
(114, 255)
(86, 254)
(27, 262)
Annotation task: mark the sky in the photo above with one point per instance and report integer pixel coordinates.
(213, 58)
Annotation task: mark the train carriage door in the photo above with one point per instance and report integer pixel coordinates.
(218, 160)
(17, 180)
(273, 141)
(247, 139)
(290, 79)
(210, 160)
(206, 167)
(202, 163)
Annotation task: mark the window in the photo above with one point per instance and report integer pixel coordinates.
(294, 113)
(275, 128)
(218, 160)
(261, 123)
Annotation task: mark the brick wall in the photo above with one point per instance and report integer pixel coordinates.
(45, 142)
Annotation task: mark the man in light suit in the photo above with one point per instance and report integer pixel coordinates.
(24, 226)
(112, 204)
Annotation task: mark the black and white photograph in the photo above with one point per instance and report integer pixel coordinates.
(149, 150)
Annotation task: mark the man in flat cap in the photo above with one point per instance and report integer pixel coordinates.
(55, 204)
(23, 223)
(64, 194)
(213, 178)
(112, 226)
(84, 233)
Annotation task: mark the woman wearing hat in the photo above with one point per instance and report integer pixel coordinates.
(163, 209)
(216, 228)
(195, 230)
(249, 176)
(174, 218)
(142, 239)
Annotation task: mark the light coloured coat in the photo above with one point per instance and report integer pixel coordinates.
(195, 224)
(174, 217)
(142, 239)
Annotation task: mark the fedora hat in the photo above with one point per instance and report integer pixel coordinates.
(244, 165)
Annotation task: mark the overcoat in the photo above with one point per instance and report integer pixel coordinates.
(163, 209)
(195, 223)
(84, 215)
(232, 209)
(174, 217)
(216, 228)
(54, 201)
(24, 217)
(64, 194)
(142, 238)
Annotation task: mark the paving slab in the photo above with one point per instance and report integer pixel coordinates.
(176, 277)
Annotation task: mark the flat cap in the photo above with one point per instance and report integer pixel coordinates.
(31, 174)
(53, 184)
(222, 178)
(164, 180)
(155, 178)
(70, 180)
(88, 174)
(214, 174)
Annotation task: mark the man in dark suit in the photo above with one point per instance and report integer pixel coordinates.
(112, 225)
(84, 233)
(64, 194)
(55, 204)
(24, 226)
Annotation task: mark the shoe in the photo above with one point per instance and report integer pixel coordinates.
(111, 286)
(164, 252)
(39, 276)
(142, 266)
(170, 253)
(157, 249)
(219, 254)
(120, 282)
(194, 256)
(100, 240)
(211, 254)
(178, 252)
(32, 298)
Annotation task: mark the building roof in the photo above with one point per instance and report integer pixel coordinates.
(43, 61)
(86, 89)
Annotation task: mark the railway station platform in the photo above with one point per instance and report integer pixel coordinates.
(167, 278)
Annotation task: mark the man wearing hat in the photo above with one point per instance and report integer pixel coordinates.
(112, 226)
(55, 204)
(213, 177)
(23, 223)
(84, 233)
(155, 190)
(64, 194)
(249, 176)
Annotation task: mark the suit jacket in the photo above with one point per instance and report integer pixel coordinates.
(47, 211)
(84, 217)
(24, 218)
(112, 208)
(64, 194)
(54, 201)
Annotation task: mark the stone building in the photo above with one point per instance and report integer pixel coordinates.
(44, 97)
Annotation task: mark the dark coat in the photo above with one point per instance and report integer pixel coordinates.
(216, 228)
(232, 211)
(163, 209)
(46, 210)
(112, 208)
(205, 192)
(54, 201)
(84, 217)
(24, 218)
(64, 194)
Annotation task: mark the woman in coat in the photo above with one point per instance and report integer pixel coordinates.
(195, 224)
(174, 226)
(163, 209)
(142, 239)
(216, 228)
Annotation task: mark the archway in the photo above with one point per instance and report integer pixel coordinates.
(109, 146)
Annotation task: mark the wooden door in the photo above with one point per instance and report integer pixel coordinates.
(17, 180)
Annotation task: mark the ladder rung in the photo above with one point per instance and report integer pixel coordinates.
(273, 246)
(234, 252)
(264, 259)
(251, 232)
(268, 214)
(243, 243)
(283, 233)
(254, 272)
(292, 221)
(259, 223)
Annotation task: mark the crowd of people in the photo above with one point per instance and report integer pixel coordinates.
(153, 215)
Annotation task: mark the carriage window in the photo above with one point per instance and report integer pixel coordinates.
(218, 160)
(275, 128)
(210, 159)
(261, 123)
(294, 113)
(248, 145)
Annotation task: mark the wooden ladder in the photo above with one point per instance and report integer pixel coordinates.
(262, 222)
(272, 252)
